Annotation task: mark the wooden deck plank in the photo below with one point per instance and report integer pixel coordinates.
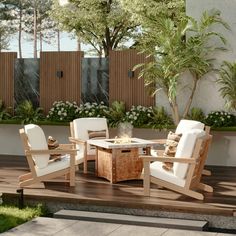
(129, 194)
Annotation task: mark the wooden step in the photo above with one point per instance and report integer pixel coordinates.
(132, 220)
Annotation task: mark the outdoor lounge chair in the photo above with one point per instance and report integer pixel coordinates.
(188, 163)
(183, 126)
(38, 157)
(83, 129)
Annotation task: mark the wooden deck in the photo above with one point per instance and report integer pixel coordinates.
(91, 190)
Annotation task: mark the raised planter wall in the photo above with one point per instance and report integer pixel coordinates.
(222, 152)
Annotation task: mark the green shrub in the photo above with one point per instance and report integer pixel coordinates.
(4, 113)
(116, 113)
(196, 114)
(220, 119)
(27, 113)
(63, 111)
(159, 118)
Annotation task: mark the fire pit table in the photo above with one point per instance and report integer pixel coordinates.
(118, 160)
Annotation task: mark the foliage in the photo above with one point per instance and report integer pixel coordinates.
(115, 113)
(63, 111)
(220, 119)
(159, 118)
(196, 113)
(11, 216)
(4, 114)
(93, 110)
(4, 38)
(102, 24)
(27, 113)
(138, 116)
(173, 54)
(227, 81)
(145, 11)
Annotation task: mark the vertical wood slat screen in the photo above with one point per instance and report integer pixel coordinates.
(7, 61)
(121, 86)
(66, 88)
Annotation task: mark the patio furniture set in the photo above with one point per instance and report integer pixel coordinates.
(120, 159)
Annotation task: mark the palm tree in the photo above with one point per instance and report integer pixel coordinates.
(174, 54)
(227, 81)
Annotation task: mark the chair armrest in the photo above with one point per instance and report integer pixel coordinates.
(168, 159)
(159, 141)
(54, 151)
(76, 140)
(66, 146)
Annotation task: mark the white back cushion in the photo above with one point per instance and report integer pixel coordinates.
(37, 141)
(185, 150)
(82, 125)
(81, 128)
(185, 125)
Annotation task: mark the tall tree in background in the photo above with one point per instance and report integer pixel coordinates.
(6, 30)
(40, 26)
(17, 11)
(104, 24)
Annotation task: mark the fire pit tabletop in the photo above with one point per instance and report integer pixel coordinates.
(117, 143)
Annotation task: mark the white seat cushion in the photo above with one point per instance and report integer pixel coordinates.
(157, 171)
(185, 125)
(185, 150)
(54, 166)
(37, 141)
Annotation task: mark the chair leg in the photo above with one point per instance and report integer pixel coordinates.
(146, 178)
(72, 176)
(27, 182)
(85, 167)
(25, 177)
(193, 194)
(206, 172)
(205, 187)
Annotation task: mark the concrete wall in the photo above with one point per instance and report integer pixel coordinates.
(207, 96)
(222, 152)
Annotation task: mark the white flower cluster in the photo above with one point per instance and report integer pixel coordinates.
(220, 119)
(63, 111)
(92, 109)
(139, 115)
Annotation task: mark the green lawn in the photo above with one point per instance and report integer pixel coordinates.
(11, 216)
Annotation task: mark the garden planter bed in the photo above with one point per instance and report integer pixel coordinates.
(222, 152)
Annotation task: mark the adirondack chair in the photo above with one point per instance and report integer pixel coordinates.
(83, 129)
(38, 157)
(183, 126)
(188, 164)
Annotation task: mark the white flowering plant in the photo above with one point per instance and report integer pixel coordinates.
(63, 111)
(93, 109)
(139, 116)
(220, 119)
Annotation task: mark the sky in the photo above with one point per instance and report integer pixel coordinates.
(67, 44)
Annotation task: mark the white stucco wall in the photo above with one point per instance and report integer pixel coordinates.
(207, 96)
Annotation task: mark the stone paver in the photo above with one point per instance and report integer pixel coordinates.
(43, 226)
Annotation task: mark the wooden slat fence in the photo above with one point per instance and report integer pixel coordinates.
(7, 60)
(121, 86)
(66, 88)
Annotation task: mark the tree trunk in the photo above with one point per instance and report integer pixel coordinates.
(41, 41)
(78, 44)
(175, 112)
(190, 100)
(20, 32)
(58, 41)
(35, 30)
